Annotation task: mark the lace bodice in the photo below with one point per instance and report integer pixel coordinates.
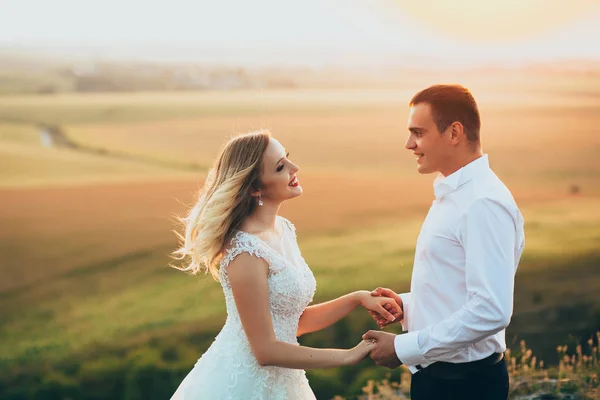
(291, 283)
(228, 370)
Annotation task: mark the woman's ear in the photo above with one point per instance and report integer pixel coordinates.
(257, 195)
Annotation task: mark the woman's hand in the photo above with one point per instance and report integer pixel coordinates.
(386, 308)
(359, 352)
(390, 294)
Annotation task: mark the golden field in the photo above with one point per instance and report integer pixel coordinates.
(85, 237)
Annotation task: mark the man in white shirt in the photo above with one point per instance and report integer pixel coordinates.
(461, 295)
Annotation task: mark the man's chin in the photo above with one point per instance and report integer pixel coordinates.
(422, 169)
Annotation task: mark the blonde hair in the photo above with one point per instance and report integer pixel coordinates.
(223, 203)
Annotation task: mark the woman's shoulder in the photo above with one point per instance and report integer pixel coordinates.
(246, 262)
(246, 243)
(240, 242)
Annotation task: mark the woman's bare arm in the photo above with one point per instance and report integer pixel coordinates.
(248, 279)
(320, 316)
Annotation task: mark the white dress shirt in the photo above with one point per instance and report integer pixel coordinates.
(461, 294)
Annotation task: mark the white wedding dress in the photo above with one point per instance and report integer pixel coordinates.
(228, 369)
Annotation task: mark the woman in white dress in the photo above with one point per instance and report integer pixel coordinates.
(234, 233)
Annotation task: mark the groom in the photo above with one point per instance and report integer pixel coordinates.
(461, 296)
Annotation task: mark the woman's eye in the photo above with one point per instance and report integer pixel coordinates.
(280, 168)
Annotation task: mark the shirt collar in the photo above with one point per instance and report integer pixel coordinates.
(445, 185)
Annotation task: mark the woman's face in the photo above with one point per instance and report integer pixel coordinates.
(279, 181)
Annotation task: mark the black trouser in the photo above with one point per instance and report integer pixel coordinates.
(489, 383)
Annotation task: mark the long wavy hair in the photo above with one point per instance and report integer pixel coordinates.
(223, 203)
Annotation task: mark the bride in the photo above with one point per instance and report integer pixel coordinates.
(234, 233)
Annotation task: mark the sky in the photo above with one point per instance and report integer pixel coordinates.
(308, 32)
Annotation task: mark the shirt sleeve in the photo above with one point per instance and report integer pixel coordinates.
(487, 233)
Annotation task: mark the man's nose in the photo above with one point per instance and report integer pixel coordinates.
(410, 143)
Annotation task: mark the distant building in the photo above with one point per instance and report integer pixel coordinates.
(53, 136)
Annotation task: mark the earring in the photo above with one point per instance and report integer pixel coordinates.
(260, 202)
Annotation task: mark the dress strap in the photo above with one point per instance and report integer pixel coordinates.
(288, 226)
(243, 242)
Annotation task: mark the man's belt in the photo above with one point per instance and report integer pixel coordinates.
(448, 370)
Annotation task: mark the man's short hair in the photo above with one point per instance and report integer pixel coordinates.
(449, 104)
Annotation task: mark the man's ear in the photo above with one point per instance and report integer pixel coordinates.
(457, 132)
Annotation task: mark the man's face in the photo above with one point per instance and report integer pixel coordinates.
(431, 147)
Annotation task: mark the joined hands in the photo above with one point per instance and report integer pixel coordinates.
(381, 320)
(385, 307)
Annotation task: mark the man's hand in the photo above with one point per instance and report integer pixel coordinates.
(384, 292)
(383, 351)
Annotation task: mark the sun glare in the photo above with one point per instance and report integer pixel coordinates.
(495, 20)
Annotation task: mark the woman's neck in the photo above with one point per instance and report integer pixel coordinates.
(262, 219)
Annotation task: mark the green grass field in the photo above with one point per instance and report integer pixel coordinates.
(87, 296)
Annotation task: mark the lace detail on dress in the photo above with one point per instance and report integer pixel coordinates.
(228, 369)
(243, 242)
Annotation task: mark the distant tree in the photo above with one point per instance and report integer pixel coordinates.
(574, 189)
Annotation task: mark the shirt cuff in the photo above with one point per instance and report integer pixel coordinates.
(405, 306)
(408, 350)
